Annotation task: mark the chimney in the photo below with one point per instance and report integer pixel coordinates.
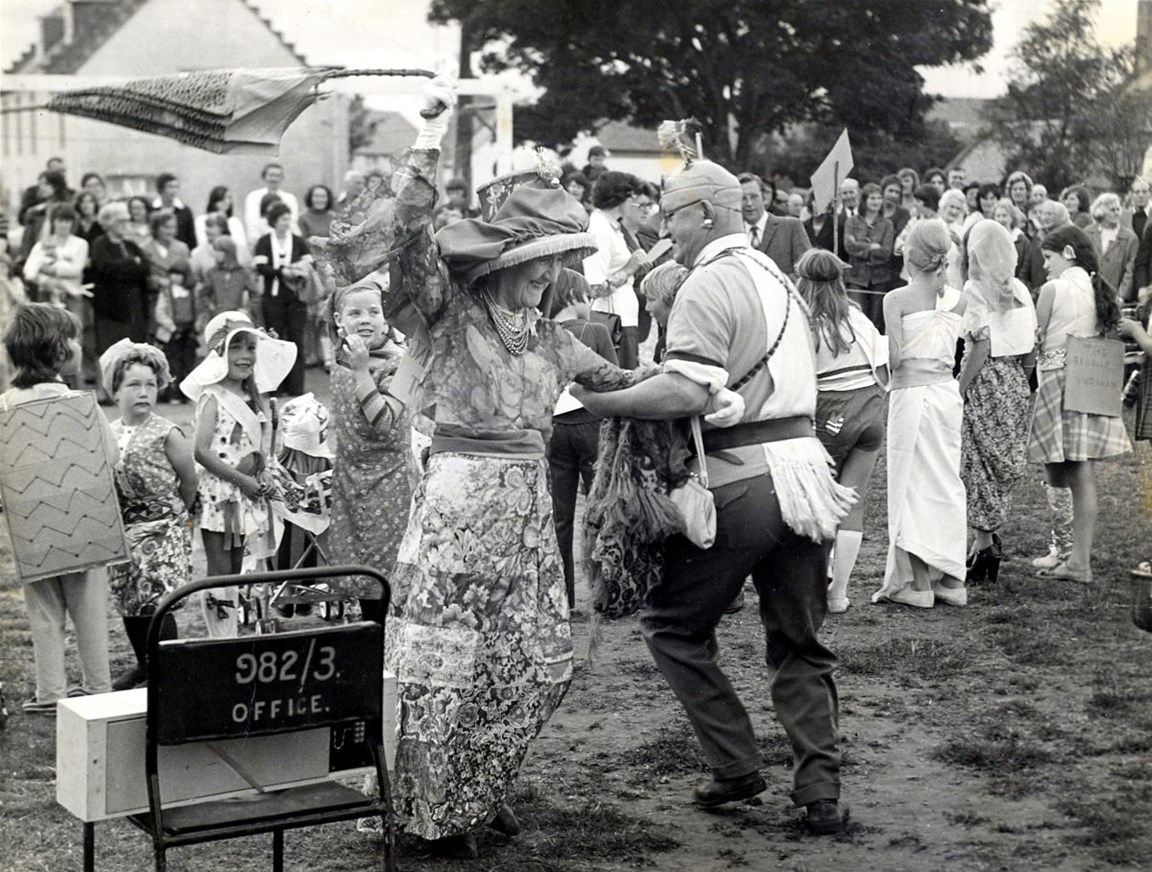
(51, 33)
(90, 15)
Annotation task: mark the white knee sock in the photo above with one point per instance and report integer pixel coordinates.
(843, 562)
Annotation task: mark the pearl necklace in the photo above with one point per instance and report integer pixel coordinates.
(511, 327)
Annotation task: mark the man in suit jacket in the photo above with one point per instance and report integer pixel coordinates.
(781, 238)
(1116, 245)
(1142, 270)
(1136, 215)
(168, 190)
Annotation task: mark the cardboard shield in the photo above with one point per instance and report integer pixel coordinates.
(58, 489)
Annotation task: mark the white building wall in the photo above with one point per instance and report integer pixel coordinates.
(168, 36)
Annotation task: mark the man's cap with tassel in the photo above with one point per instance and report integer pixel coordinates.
(701, 181)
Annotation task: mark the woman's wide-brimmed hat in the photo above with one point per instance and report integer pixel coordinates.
(535, 219)
(274, 357)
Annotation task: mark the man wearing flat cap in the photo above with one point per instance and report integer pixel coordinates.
(737, 322)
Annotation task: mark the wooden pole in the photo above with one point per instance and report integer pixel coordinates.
(836, 208)
(462, 157)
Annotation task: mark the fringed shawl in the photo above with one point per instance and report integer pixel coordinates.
(629, 514)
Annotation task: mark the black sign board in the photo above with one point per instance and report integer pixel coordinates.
(258, 685)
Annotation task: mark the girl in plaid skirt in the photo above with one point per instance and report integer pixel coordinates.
(1075, 301)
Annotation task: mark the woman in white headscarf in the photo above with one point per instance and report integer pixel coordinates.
(999, 333)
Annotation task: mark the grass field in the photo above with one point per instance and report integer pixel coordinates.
(1015, 734)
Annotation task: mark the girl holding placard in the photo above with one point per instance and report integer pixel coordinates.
(1075, 302)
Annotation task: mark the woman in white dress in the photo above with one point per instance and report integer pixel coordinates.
(927, 518)
(611, 270)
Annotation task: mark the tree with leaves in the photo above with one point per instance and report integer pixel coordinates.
(1071, 109)
(743, 68)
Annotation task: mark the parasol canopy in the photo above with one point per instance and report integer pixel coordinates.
(222, 111)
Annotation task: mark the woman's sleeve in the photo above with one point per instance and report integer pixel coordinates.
(886, 238)
(71, 266)
(855, 242)
(300, 250)
(586, 367)
(596, 264)
(34, 262)
(421, 279)
(263, 257)
(380, 409)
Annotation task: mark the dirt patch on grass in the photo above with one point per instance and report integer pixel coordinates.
(1015, 734)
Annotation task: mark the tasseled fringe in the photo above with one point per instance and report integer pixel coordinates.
(812, 502)
(629, 515)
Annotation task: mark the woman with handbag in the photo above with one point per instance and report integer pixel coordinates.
(1075, 302)
(283, 261)
(611, 269)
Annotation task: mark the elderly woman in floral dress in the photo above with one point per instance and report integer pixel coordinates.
(479, 640)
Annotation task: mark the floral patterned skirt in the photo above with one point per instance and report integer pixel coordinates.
(994, 440)
(161, 561)
(478, 637)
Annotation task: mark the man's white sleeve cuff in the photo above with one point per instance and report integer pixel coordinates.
(712, 377)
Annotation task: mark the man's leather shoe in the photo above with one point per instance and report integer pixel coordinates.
(826, 817)
(718, 791)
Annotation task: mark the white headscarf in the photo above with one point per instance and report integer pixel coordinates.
(996, 298)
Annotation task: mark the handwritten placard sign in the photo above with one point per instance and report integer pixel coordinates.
(257, 685)
(1094, 371)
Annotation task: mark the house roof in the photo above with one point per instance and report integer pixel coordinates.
(619, 136)
(963, 112)
(390, 132)
(68, 58)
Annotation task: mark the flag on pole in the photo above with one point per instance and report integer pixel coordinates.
(831, 172)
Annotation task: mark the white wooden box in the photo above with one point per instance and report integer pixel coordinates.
(100, 757)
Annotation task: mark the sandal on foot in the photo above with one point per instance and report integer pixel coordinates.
(1066, 573)
(1143, 570)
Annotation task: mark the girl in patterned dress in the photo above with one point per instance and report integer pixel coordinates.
(373, 472)
(999, 341)
(156, 485)
(1076, 301)
(232, 444)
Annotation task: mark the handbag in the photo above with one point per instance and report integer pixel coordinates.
(694, 500)
(610, 320)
